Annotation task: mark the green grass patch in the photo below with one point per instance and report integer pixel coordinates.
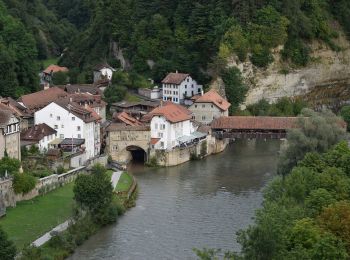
(49, 61)
(124, 182)
(110, 173)
(131, 98)
(31, 219)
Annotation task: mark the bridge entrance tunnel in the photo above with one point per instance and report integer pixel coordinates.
(138, 155)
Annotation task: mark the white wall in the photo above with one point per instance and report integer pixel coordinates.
(175, 93)
(44, 143)
(68, 125)
(169, 132)
(206, 112)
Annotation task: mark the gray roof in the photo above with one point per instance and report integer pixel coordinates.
(74, 141)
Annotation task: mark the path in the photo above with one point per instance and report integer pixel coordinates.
(115, 178)
(42, 240)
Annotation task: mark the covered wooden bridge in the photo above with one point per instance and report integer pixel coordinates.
(251, 127)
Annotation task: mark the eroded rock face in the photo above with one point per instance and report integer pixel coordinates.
(327, 69)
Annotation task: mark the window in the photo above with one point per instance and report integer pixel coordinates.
(56, 127)
(203, 117)
(51, 115)
(73, 118)
(203, 106)
(160, 135)
(156, 126)
(162, 126)
(185, 86)
(61, 136)
(78, 128)
(79, 135)
(58, 118)
(188, 80)
(62, 126)
(195, 106)
(162, 144)
(212, 106)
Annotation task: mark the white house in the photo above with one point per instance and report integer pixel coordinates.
(72, 121)
(178, 86)
(154, 93)
(40, 135)
(103, 71)
(170, 123)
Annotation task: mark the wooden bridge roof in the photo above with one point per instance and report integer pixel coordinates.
(255, 123)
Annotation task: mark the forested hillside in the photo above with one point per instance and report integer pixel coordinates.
(153, 37)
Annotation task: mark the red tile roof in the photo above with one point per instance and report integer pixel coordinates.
(154, 141)
(255, 123)
(55, 68)
(126, 118)
(38, 132)
(172, 112)
(175, 78)
(213, 97)
(40, 99)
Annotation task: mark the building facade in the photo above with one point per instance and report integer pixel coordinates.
(9, 134)
(40, 135)
(71, 121)
(208, 107)
(103, 71)
(179, 86)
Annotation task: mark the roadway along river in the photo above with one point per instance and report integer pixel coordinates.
(195, 205)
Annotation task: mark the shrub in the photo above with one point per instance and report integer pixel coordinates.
(60, 170)
(345, 113)
(261, 57)
(23, 183)
(7, 248)
(10, 165)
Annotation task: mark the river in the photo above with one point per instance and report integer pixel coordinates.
(195, 205)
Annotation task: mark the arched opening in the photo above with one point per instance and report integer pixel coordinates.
(139, 156)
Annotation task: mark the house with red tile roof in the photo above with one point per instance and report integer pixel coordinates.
(46, 75)
(179, 86)
(169, 123)
(209, 106)
(40, 135)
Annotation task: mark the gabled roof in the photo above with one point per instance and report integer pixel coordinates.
(15, 107)
(40, 99)
(126, 118)
(55, 68)
(175, 78)
(172, 112)
(37, 132)
(5, 115)
(213, 97)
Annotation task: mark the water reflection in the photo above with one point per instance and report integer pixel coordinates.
(198, 204)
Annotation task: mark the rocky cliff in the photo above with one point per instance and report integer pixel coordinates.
(326, 79)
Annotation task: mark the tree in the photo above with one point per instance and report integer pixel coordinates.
(10, 165)
(316, 132)
(235, 89)
(7, 247)
(94, 193)
(60, 78)
(345, 113)
(114, 94)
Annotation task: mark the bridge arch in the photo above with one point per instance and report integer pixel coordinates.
(137, 154)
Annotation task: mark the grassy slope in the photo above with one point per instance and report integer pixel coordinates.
(124, 182)
(31, 219)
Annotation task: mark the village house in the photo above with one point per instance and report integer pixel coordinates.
(47, 74)
(179, 86)
(38, 100)
(26, 118)
(9, 133)
(72, 121)
(136, 109)
(103, 71)
(171, 126)
(209, 106)
(39, 135)
(128, 139)
(154, 93)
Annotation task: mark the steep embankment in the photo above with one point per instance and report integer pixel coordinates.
(325, 81)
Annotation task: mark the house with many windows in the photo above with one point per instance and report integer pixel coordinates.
(40, 135)
(9, 133)
(179, 86)
(72, 121)
(209, 106)
(171, 126)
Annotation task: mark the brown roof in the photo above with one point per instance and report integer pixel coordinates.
(55, 68)
(255, 123)
(40, 99)
(172, 112)
(175, 78)
(83, 88)
(126, 118)
(37, 132)
(87, 99)
(213, 97)
(5, 115)
(125, 127)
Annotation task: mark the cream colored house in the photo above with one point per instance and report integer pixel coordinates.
(209, 106)
(9, 134)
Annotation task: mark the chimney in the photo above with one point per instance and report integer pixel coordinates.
(177, 72)
(202, 92)
(161, 103)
